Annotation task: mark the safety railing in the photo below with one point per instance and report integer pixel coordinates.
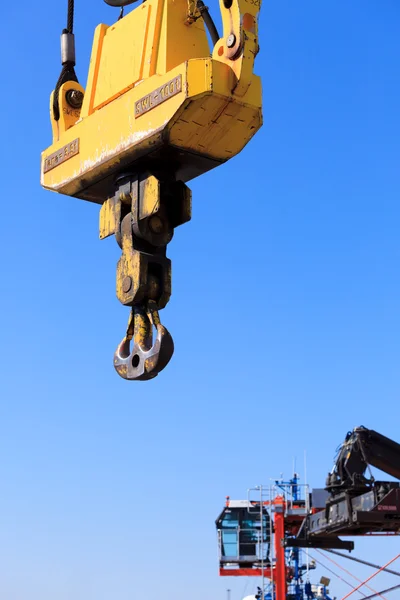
(296, 497)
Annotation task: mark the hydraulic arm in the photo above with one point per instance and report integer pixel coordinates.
(159, 109)
(361, 448)
(354, 503)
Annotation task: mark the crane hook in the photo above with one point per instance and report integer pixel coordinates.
(144, 360)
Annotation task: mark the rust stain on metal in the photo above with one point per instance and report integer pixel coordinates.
(158, 96)
(61, 156)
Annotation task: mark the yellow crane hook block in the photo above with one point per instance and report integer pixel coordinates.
(159, 109)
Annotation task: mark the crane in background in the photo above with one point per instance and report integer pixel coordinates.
(267, 535)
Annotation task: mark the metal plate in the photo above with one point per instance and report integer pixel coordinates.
(158, 96)
(61, 156)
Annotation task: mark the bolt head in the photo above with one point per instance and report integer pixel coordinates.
(75, 98)
(231, 40)
(126, 284)
(156, 224)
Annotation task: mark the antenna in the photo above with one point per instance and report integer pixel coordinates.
(306, 482)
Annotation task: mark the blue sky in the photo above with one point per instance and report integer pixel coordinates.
(110, 489)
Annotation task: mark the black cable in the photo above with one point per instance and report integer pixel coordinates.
(208, 20)
(338, 576)
(363, 562)
(68, 70)
(391, 589)
(70, 18)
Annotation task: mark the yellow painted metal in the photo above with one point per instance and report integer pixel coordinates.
(130, 274)
(150, 200)
(239, 45)
(68, 115)
(153, 87)
(193, 13)
(159, 109)
(109, 218)
(214, 122)
(135, 282)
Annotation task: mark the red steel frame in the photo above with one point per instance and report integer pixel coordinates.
(280, 568)
(279, 573)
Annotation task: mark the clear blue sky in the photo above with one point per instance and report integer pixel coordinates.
(109, 490)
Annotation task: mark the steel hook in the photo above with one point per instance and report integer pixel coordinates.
(144, 360)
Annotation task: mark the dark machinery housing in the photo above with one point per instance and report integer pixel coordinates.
(356, 504)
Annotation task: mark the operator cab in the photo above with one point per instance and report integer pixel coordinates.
(243, 534)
